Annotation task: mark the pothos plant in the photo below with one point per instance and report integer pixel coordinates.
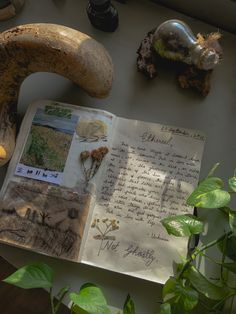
(89, 300)
(189, 287)
(182, 292)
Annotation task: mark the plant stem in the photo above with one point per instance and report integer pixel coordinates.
(60, 301)
(211, 259)
(100, 230)
(197, 251)
(51, 302)
(207, 246)
(223, 259)
(204, 305)
(213, 169)
(231, 305)
(100, 247)
(223, 300)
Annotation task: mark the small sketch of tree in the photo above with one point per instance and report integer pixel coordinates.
(105, 226)
(44, 216)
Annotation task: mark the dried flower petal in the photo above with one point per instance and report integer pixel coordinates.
(96, 155)
(84, 155)
(103, 150)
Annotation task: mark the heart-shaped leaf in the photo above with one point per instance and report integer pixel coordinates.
(204, 286)
(179, 295)
(232, 183)
(182, 225)
(230, 248)
(89, 300)
(37, 275)
(129, 306)
(165, 308)
(209, 194)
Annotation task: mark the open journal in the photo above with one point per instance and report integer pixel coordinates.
(90, 187)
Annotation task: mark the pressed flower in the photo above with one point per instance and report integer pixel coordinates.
(93, 225)
(103, 150)
(84, 155)
(96, 155)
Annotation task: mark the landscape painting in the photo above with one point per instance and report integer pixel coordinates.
(44, 218)
(48, 144)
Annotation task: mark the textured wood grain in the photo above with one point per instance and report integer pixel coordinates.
(31, 48)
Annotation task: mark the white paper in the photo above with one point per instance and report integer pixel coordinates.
(151, 170)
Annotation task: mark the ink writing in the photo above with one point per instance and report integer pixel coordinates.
(146, 255)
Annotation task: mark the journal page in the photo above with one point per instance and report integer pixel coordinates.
(51, 182)
(151, 170)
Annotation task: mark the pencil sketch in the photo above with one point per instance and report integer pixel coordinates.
(104, 227)
(44, 218)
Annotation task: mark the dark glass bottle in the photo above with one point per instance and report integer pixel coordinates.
(103, 15)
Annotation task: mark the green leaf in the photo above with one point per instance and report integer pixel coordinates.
(232, 220)
(230, 266)
(179, 296)
(165, 308)
(129, 306)
(230, 248)
(89, 300)
(204, 286)
(209, 194)
(232, 183)
(37, 275)
(182, 225)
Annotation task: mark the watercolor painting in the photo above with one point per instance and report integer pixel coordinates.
(44, 218)
(49, 139)
(92, 130)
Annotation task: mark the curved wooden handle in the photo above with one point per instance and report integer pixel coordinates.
(47, 48)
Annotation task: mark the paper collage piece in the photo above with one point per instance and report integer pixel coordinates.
(92, 130)
(45, 218)
(88, 150)
(48, 144)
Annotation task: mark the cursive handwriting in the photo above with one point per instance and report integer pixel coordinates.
(146, 255)
(110, 245)
(159, 237)
(150, 137)
(146, 184)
